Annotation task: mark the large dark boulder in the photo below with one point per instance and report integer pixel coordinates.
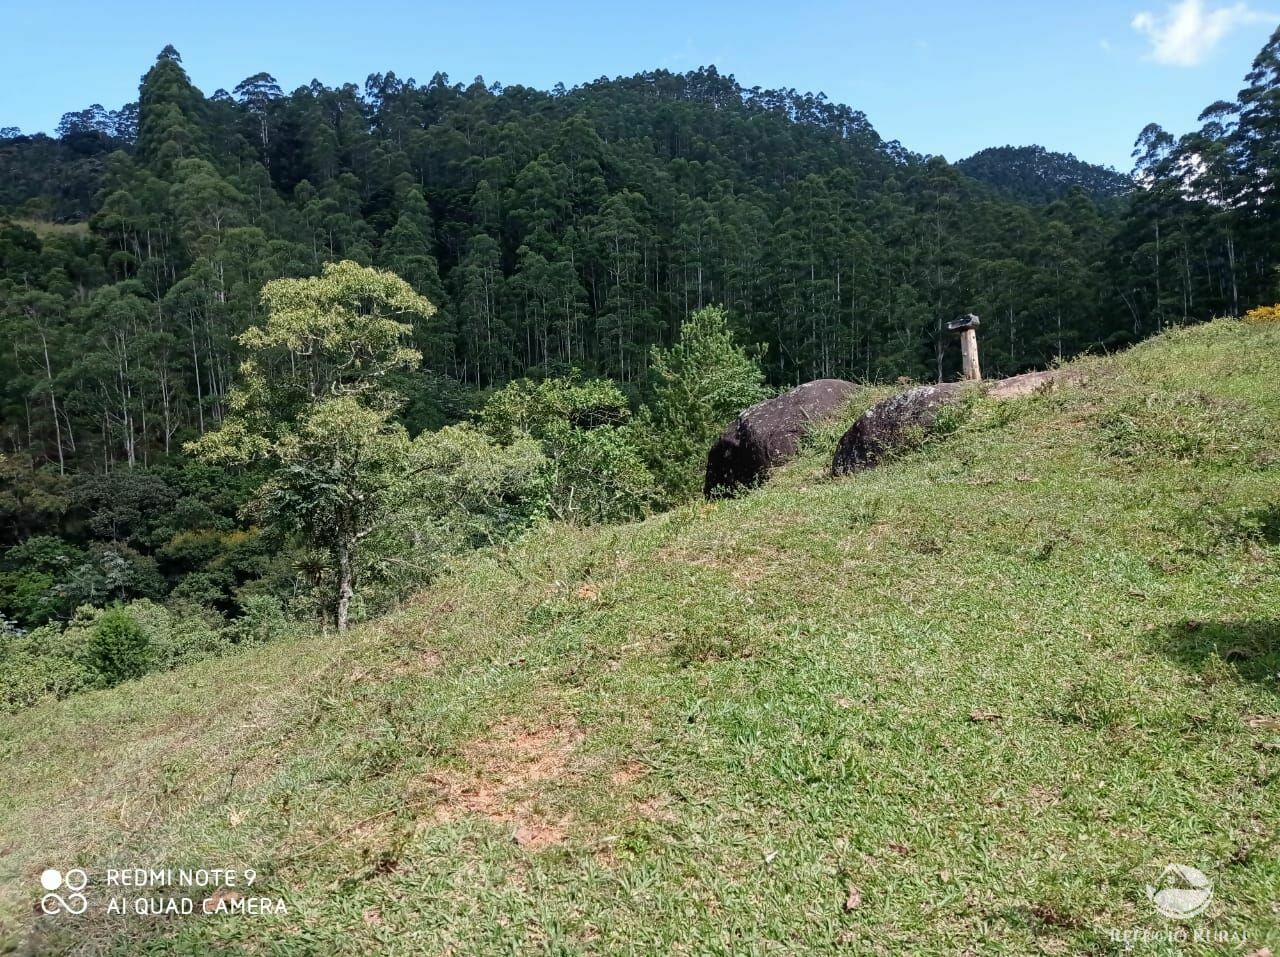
(769, 433)
(894, 423)
(902, 419)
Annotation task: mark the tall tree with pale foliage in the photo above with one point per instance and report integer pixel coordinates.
(314, 405)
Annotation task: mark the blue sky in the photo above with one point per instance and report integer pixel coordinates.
(943, 76)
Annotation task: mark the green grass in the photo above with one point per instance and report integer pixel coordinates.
(970, 702)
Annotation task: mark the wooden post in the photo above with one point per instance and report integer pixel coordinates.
(969, 354)
(967, 327)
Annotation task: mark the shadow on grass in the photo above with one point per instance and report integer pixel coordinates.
(1249, 648)
(1260, 526)
(1266, 521)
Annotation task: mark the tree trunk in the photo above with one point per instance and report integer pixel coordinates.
(53, 403)
(346, 587)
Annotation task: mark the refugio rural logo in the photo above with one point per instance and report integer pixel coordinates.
(1181, 892)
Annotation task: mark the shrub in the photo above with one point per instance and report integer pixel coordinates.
(545, 408)
(118, 649)
(459, 489)
(699, 385)
(263, 619)
(469, 491)
(1263, 314)
(593, 467)
(179, 635)
(37, 666)
(101, 647)
(598, 476)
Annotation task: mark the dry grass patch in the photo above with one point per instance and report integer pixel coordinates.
(511, 772)
(422, 660)
(628, 774)
(745, 564)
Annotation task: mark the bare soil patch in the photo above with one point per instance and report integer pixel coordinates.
(512, 771)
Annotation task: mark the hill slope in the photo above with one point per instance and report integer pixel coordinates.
(976, 698)
(1033, 174)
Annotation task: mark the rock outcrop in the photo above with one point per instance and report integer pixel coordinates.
(902, 419)
(769, 433)
(893, 423)
(1015, 387)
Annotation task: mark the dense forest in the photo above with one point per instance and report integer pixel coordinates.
(1036, 175)
(563, 240)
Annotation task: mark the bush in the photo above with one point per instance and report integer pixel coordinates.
(470, 491)
(699, 385)
(263, 619)
(598, 476)
(458, 489)
(1263, 314)
(546, 408)
(101, 647)
(179, 635)
(593, 467)
(118, 649)
(38, 665)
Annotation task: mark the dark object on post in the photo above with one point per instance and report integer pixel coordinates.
(892, 424)
(768, 434)
(967, 328)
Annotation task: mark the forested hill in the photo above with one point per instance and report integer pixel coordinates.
(565, 228)
(1036, 175)
(551, 231)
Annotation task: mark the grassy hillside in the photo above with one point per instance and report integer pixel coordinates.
(972, 701)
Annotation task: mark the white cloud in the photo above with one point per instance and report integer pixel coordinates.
(1188, 31)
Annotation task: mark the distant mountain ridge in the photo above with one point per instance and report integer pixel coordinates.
(1035, 174)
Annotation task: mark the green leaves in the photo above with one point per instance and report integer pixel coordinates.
(313, 404)
(699, 385)
(316, 406)
(118, 649)
(594, 469)
(339, 332)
